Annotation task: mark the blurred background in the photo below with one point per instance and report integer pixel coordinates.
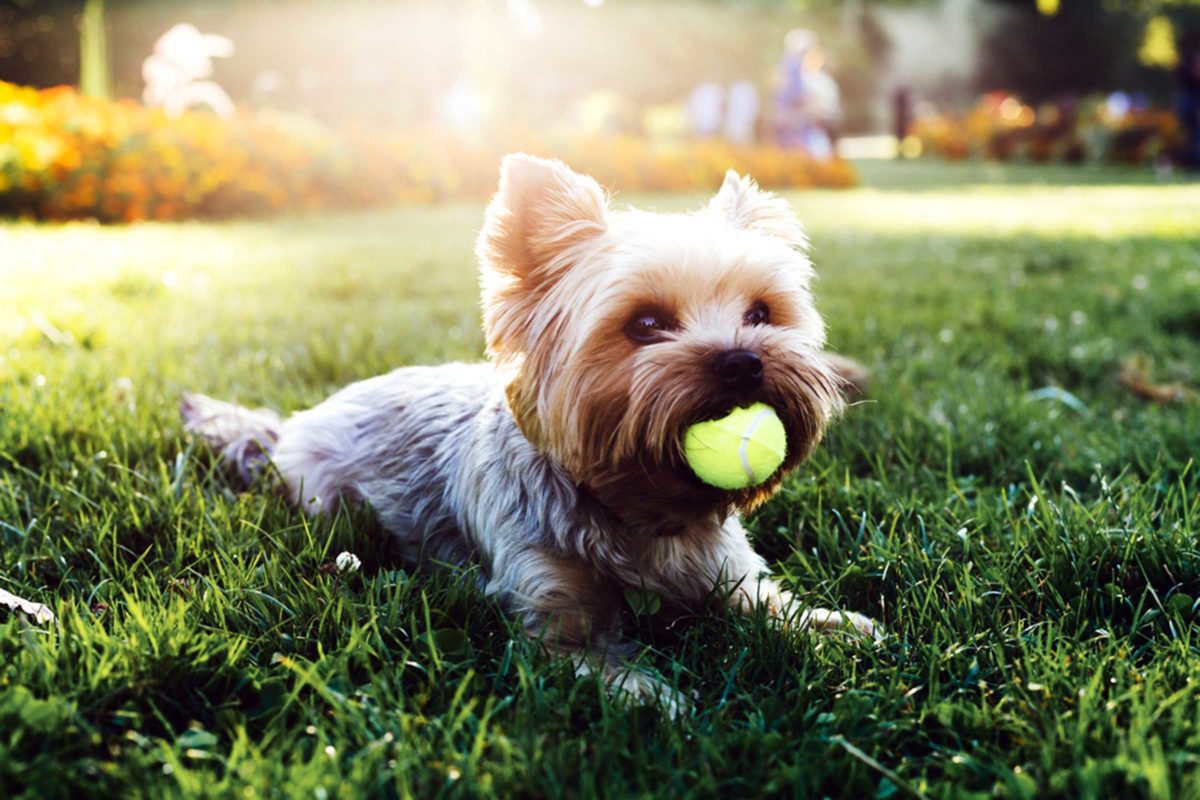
(128, 109)
(265, 200)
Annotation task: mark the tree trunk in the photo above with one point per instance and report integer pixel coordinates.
(94, 73)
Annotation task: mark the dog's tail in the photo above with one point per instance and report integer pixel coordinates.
(243, 437)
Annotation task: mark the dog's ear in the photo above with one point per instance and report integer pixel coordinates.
(745, 206)
(540, 222)
(541, 209)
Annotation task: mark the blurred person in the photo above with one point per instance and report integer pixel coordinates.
(741, 113)
(704, 109)
(1187, 105)
(790, 92)
(176, 72)
(808, 106)
(825, 99)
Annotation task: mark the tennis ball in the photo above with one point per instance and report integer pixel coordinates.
(741, 449)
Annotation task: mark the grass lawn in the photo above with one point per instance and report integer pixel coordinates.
(1034, 556)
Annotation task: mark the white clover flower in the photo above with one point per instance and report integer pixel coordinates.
(348, 562)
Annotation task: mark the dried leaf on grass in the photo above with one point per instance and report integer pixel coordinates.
(1133, 376)
(40, 613)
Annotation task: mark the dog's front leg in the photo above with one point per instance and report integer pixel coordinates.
(749, 586)
(572, 611)
(781, 605)
(559, 600)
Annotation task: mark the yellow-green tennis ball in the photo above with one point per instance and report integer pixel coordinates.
(741, 449)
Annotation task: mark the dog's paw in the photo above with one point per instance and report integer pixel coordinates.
(764, 594)
(632, 686)
(827, 621)
(628, 684)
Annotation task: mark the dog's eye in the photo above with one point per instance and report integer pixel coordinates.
(758, 314)
(649, 325)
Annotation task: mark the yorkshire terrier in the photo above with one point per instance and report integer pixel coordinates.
(558, 466)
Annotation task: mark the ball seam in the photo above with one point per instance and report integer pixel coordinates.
(744, 446)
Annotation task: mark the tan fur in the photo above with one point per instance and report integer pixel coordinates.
(558, 466)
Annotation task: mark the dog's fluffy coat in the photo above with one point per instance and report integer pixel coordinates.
(557, 466)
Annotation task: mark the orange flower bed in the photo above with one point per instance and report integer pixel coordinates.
(1000, 127)
(64, 156)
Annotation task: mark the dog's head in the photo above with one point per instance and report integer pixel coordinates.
(620, 329)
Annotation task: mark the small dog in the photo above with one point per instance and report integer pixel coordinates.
(558, 466)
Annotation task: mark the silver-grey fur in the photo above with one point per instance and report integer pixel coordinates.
(439, 455)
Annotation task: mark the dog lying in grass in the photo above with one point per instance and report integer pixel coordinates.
(558, 465)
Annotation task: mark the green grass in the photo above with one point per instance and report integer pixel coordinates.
(1035, 561)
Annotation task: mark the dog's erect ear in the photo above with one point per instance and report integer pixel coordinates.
(747, 207)
(541, 222)
(541, 209)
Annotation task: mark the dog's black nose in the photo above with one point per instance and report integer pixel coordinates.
(740, 370)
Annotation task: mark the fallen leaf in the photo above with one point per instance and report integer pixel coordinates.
(1133, 377)
(40, 613)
